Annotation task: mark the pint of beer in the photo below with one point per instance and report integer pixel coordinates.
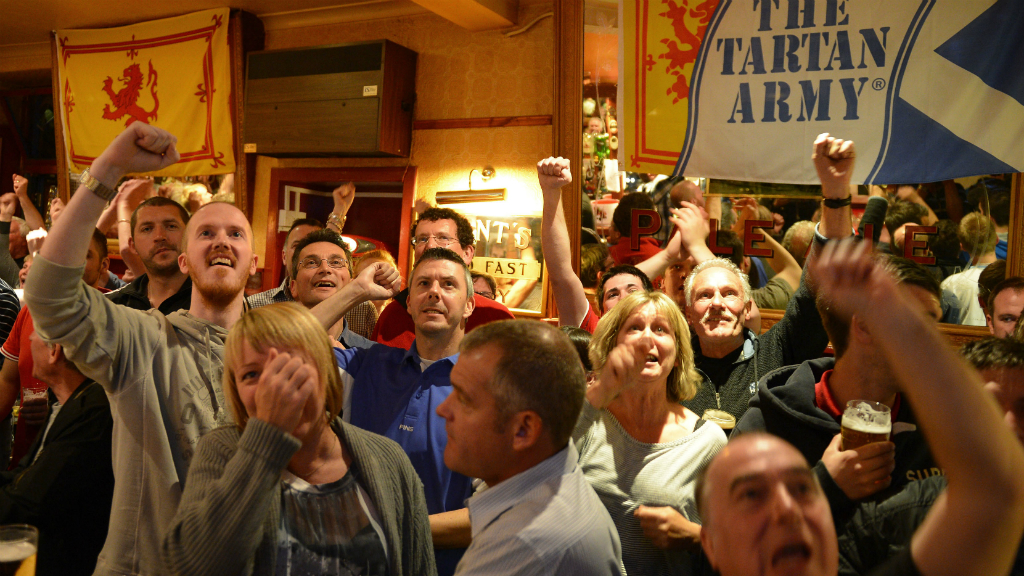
(18, 546)
(865, 422)
(724, 420)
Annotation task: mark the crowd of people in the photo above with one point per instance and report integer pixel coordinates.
(342, 424)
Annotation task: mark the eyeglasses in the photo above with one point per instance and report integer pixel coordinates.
(441, 240)
(313, 262)
(488, 294)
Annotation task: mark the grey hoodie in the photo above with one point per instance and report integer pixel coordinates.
(162, 375)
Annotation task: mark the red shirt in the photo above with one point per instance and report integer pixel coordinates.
(623, 255)
(590, 320)
(824, 400)
(18, 349)
(395, 327)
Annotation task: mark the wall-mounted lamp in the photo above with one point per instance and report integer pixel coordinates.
(462, 196)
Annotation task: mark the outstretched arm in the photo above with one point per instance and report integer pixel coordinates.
(553, 174)
(8, 267)
(379, 281)
(132, 194)
(620, 371)
(834, 160)
(974, 528)
(343, 195)
(33, 218)
(140, 148)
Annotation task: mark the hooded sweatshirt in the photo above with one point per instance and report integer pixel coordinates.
(162, 375)
(785, 406)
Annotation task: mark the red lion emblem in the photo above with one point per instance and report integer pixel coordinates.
(125, 100)
(679, 56)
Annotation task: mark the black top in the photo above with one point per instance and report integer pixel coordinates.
(66, 493)
(136, 295)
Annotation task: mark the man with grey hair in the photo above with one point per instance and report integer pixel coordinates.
(730, 357)
(764, 511)
(518, 392)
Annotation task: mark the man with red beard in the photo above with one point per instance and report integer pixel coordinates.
(162, 373)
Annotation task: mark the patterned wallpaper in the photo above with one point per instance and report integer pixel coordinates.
(464, 74)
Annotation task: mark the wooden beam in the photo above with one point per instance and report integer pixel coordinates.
(1015, 251)
(567, 130)
(475, 14)
(63, 180)
(493, 122)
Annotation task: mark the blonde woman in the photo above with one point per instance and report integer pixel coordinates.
(639, 447)
(291, 489)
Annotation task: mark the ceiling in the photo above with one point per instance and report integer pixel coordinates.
(30, 21)
(25, 25)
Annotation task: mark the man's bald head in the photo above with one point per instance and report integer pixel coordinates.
(764, 511)
(686, 191)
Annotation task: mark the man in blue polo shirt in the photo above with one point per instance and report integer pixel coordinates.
(396, 392)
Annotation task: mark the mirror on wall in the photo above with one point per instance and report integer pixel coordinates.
(958, 228)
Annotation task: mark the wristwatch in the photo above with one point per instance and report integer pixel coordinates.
(837, 202)
(98, 188)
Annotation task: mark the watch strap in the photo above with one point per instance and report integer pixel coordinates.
(837, 202)
(98, 188)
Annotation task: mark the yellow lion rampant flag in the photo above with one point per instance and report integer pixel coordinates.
(173, 73)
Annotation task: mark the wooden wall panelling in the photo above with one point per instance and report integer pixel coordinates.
(245, 34)
(568, 112)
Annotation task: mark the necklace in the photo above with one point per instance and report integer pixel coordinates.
(308, 476)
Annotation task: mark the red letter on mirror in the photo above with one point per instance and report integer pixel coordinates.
(713, 240)
(749, 237)
(911, 243)
(635, 231)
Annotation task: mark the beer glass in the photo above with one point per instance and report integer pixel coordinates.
(18, 546)
(865, 422)
(724, 420)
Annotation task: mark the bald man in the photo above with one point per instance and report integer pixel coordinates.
(162, 373)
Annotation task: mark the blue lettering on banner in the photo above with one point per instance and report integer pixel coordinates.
(791, 54)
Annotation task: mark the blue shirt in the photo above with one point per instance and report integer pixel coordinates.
(386, 392)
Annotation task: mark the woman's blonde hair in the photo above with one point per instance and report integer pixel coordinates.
(683, 379)
(285, 326)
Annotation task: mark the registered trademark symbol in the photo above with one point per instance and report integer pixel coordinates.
(878, 84)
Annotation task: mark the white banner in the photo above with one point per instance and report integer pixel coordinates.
(928, 89)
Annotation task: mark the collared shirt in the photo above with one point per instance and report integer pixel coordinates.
(545, 520)
(272, 296)
(389, 393)
(357, 321)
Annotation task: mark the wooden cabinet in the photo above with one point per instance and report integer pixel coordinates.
(342, 100)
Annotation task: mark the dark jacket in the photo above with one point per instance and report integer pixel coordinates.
(136, 295)
(797, 337)
(882, 529)
(785, 406)
(67, 492)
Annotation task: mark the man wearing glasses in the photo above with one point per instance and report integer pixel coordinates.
(436, 228)
(321, 265)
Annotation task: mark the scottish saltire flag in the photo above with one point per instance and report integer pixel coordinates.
(172, 73)
(739, 89)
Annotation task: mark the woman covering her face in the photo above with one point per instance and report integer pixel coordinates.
(291, 489)
(639, 447)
